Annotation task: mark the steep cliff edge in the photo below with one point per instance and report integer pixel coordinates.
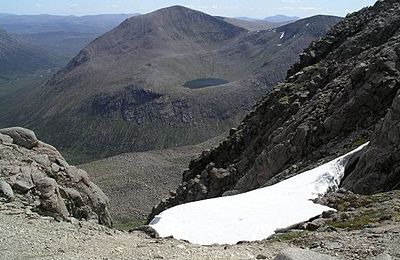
(331, 102)
(35, 175)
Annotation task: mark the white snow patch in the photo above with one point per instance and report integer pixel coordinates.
(254, 215)
(283, 34)
(279, 45)
(307, 24)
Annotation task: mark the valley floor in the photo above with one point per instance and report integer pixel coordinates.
(26, 235)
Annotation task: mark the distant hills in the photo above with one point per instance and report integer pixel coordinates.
(169, 78)
(17, 58)
(281, 19)
(28, 24)
(253, 24)
(62, 36)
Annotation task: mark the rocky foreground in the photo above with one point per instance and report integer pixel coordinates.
(51, 210)
(365, 227)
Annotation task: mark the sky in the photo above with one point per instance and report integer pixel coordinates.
(229, 8)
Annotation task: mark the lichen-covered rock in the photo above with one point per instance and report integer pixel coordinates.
(40, 177)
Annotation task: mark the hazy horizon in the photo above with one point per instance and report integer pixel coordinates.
(232, 8)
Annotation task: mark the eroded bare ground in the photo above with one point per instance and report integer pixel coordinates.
(26, 235)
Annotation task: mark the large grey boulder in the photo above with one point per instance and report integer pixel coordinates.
(302, 254)
(21, 136)
(41, 178)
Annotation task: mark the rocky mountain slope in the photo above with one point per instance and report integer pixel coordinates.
(35, 175)
(341, 94)
(17, 58)
(169, 78)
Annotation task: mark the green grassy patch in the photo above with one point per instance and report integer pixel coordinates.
(288, 236)
(126, 224)
(357, 223)
(359, 141)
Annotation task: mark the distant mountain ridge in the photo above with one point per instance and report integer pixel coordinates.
(254, 24)
(281, 19)
(62, 36)
(23, 24)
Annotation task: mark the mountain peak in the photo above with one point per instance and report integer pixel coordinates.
(175, 8)
(180, 18)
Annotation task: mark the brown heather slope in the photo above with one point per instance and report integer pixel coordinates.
(126, 90)
(342, 93)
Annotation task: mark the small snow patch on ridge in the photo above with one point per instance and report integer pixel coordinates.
(282, 35)
(307, 24)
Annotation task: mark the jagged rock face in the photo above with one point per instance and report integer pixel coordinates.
(331, 102)
(36, 174)
(379, 167)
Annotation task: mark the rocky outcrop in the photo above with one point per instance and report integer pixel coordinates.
(331, 102)
(379, 168)
(20, 136)
(36, 174)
